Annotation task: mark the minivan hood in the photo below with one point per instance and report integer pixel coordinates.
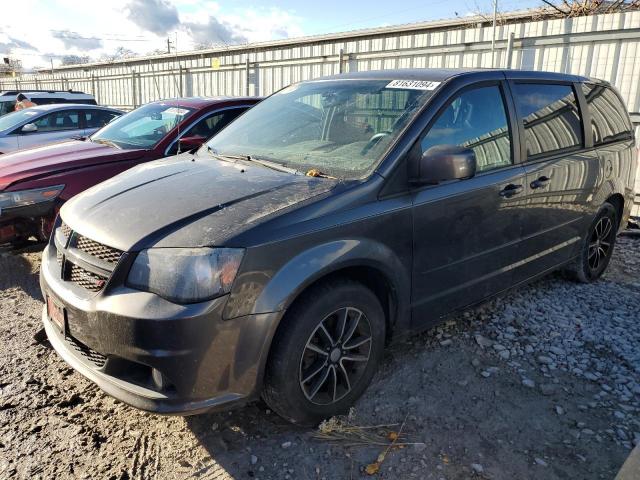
(185, 201)
(57, 157)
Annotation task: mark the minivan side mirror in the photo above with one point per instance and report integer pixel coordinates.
(443, 162)
(191, 143)
(29, 128)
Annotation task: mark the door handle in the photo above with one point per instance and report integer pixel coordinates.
(511, 190)
(540, 182)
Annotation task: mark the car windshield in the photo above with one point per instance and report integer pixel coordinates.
(13, 119)
(144, 127)
(340, 128)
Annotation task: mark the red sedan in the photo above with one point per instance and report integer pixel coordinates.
(34, 183)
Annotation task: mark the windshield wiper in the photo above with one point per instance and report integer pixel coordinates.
(248, 158)
(106, 142)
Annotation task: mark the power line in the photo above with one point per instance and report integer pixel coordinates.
(64, 35)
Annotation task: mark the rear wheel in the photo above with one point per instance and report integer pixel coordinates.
(325, 353)
(597, 246)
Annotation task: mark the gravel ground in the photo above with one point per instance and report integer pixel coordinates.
(541, 383)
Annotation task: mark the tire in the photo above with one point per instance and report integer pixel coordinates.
(304, 353)
(597, 247)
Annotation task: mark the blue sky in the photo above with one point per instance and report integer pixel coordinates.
(53, 29)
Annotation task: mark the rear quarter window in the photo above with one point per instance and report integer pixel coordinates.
(609, 119)
(551, 118)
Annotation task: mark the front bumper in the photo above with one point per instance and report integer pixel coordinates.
(117, 337)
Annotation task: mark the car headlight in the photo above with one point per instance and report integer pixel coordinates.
(23, 198)
(185, 275)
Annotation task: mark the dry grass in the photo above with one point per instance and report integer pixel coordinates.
(345, 431)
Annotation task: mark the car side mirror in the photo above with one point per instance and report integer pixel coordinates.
(29, 128)
(441, 163)
(191, 143)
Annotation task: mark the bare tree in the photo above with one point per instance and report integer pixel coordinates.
(75, 59)
(580, 8)
(120, 53)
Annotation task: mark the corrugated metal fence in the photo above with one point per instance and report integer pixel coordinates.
(605, 46)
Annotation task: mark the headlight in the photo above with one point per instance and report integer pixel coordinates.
(185, 275)
(29, 197)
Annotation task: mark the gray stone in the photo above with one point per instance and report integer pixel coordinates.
(545, 360)
(557, 351)
(504, 354)
(548, 388)
(483, 341)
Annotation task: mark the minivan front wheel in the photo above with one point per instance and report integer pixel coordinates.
(325, 352)
(597, 246)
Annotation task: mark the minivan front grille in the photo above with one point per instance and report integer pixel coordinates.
(66, 231)
(97, 250)
(92, 356)
(86, 279)
(83, 261)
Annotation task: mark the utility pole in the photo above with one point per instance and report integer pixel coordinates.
(169, 42)
(493, 39)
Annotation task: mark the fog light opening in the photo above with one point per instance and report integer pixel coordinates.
(159, 380)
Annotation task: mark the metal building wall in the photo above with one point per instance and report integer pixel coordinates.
(605, 46)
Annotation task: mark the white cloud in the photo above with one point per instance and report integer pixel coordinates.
(96, 27)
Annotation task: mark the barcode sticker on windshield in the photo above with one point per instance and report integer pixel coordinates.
(413, 84)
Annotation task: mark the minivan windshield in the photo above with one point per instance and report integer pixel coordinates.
(339, 128)
(14, 119)
(144, 127)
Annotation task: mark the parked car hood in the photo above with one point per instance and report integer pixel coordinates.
(57, 157)
(185, 201)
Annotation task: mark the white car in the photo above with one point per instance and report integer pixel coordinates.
(43, 97)
(51, 123)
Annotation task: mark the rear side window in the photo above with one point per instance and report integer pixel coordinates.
(98, 118)
(609, 120)
(551, 118)
(209, 126)
(48, 100)
(475, 119)
(63, 120)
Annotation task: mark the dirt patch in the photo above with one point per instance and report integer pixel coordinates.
(538, 384)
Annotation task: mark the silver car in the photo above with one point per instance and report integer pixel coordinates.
(51, 123)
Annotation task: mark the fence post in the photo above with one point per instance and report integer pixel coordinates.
(133, 89)
(509, 50)
(247, 72)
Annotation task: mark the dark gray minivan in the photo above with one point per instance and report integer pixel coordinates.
(335, 216)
